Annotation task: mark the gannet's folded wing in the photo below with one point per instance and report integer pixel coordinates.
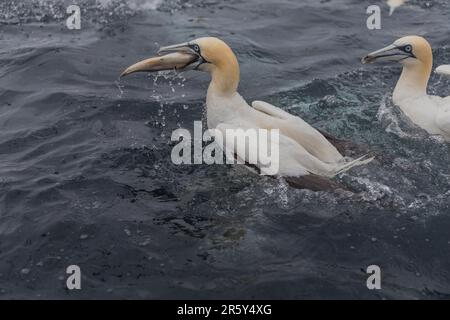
(278, 151)
(291, 162)
(443, 70)
(236, 145)
(306, 135)
(271, 110)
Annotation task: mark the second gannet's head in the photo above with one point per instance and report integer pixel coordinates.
(205, 54)
(409, 51)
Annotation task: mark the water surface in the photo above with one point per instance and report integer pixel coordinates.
(86, 176)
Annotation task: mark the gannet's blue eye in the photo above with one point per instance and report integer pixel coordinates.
(407, 48)
(196, 48)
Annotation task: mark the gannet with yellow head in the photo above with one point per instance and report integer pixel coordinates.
(432, 113)
(307, 158)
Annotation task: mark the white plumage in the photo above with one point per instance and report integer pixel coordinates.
(431, 113)
(303, 150)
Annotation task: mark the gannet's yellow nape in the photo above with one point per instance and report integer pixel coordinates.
(431, 113)
(307, 159)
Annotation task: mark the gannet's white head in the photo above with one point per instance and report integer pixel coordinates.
(206, 54)
(416, 56)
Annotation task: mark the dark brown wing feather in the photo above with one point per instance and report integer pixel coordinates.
(345, 147)
(313, 182)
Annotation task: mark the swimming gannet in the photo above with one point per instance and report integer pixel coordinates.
(432, 113)
(307, 158)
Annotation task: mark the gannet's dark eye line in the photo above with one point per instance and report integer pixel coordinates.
(407, 49)
(196, 48)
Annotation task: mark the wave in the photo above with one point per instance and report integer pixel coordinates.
(45, 11)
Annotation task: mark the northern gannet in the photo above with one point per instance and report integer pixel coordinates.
(307, 158)
(431, 113)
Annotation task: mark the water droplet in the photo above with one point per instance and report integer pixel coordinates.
(25, 271)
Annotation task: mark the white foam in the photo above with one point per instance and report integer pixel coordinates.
(136, 4)
(387, 115)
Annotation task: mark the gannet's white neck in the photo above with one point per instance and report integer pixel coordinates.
(223, 101)
(413, 81)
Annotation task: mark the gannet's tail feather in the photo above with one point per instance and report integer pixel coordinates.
(346, 147)
(316, 182)
(354, 163)
(443, 70)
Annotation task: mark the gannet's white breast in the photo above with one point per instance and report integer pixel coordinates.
(431, 113)
(221, 109)
(421, 110)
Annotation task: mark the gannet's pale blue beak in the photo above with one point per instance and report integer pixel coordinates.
(389, 53)
(182, 47)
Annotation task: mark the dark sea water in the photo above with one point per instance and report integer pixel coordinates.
(86, 176)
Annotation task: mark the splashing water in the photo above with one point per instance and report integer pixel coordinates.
(388, 115)
(120, 87)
